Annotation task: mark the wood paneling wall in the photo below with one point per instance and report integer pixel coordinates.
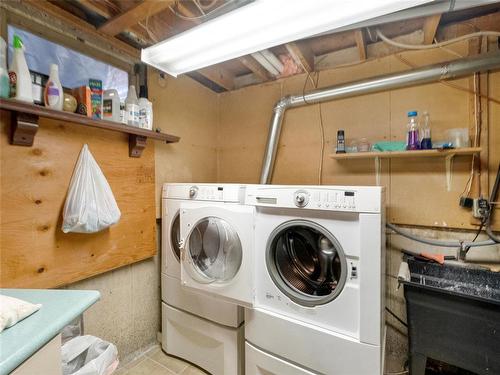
(185, 108)
(34, 182)
(416, 188)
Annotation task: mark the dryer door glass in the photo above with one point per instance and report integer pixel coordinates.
(306, 262)
(175, 236)
(214, 251)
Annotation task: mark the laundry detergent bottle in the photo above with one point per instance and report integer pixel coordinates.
(19, 74)
(53, 95)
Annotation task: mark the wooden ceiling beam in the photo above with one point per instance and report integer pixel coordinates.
(109, 10)
(255, 67)
(52, 11)
(431, 24)
(360, 43)
(302, 54)
(134, 15)
(219, 75)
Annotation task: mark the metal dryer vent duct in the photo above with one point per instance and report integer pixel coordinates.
(432, 73)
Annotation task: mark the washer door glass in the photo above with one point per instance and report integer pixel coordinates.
(214, 251)
(175, 236)
(306, 262)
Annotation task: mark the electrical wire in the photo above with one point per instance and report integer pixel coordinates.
(197, 18)
(435, 45)
(321, 125)
(208, 6)
(396, 317)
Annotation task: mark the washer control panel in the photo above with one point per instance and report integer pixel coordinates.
(338, 200)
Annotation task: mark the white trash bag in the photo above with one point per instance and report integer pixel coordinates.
(89, 355)
(90, 205)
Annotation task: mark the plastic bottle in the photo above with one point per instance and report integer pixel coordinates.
(132, 107)
(4, 73)
(111, 106)
(19, 74)
(412, 137)
(53, 96)
(145, 114)
(426, 143)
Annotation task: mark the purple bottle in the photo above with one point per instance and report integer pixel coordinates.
(412, 138)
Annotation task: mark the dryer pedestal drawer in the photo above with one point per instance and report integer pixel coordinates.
(258, 362)
(215, 348)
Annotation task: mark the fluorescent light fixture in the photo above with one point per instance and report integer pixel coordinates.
(260, 25)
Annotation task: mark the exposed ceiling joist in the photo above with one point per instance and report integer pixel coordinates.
(109, 10)
(431, 24)
(219, 75)
(134, 15)
(255, 67)
(302, 54)
(80, 25)
(360, 43)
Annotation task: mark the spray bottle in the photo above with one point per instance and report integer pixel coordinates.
(19, 74)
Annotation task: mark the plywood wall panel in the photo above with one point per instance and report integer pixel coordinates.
(34, 182)
(410, 184)
(185, 108)
(242, 132)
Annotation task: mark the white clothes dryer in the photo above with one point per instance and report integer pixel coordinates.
(319, 278)
(196, 326)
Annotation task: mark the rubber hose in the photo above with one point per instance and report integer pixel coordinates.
(436, 242)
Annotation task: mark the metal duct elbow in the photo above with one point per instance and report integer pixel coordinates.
(273, 138)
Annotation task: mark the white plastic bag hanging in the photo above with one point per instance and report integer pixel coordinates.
(88, 355)
(90, 205)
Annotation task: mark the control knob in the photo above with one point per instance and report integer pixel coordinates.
(301, 198)
(193, 190)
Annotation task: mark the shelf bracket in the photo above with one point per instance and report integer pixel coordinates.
(24, 128)
(136, 144)
(449, 173)
(377, 171)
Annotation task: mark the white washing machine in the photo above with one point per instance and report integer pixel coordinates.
(196, 326)
(319, 283)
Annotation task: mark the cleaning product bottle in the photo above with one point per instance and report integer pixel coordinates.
(53, 96)
(132, 107)
(145, 110)
(412, 138)
(111, 105)
(4, 73)
(426, 143)
(19, 74)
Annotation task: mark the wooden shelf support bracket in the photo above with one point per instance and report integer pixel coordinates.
(136, 144)
(24, 128)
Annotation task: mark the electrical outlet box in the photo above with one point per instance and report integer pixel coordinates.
(480, 208)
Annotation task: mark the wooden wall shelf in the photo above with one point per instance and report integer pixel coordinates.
(407, 154)
(25, 125)
(448, 154)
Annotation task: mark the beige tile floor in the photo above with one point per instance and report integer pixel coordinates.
(156, 362)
